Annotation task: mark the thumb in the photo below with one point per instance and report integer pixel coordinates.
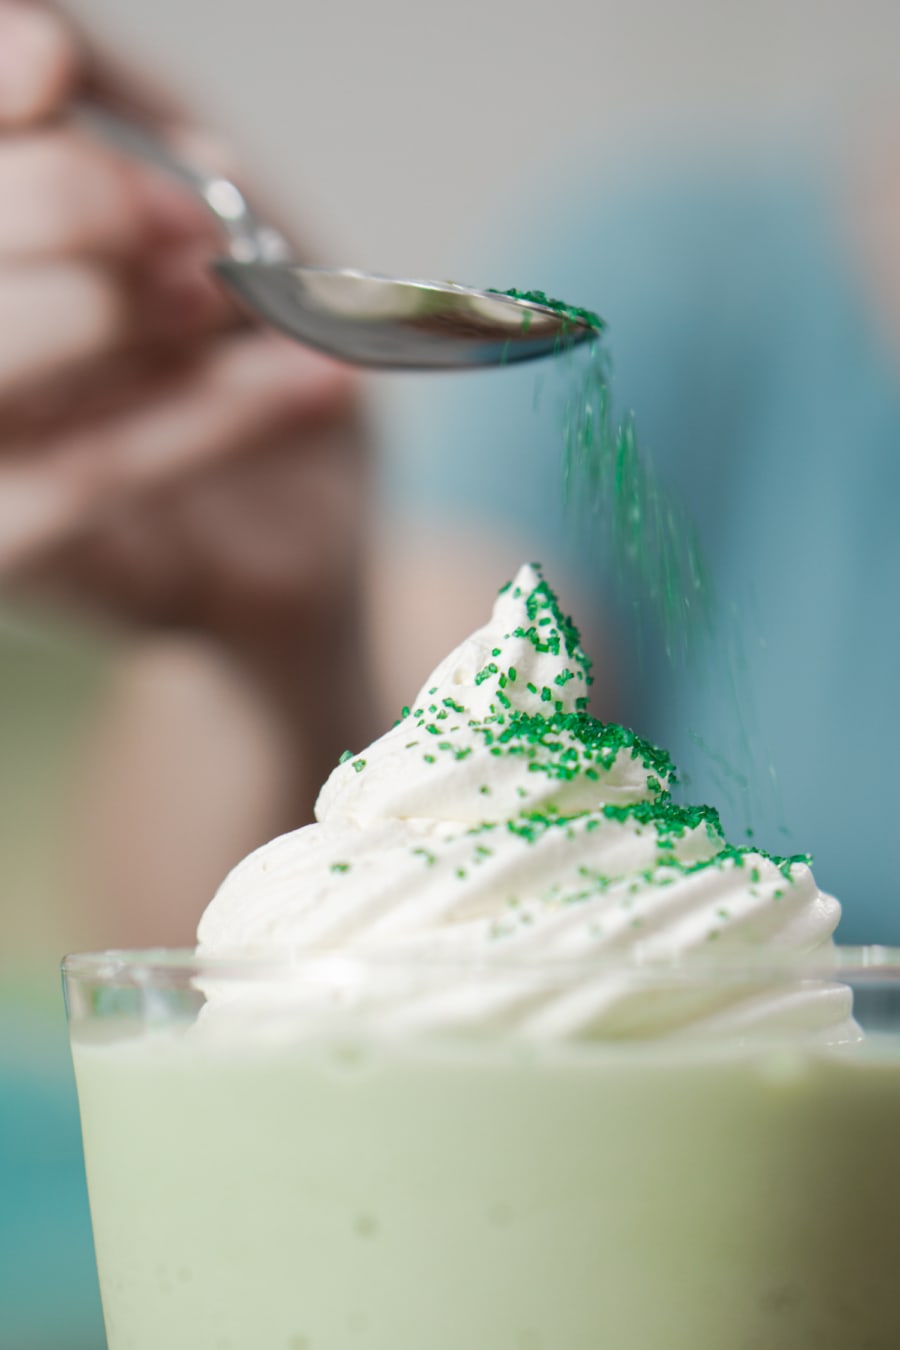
(38, 63)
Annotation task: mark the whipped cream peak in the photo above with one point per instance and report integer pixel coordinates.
(498, 728)
(527, 659)
(498, 818)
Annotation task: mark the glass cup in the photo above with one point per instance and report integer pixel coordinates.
(400, 1154)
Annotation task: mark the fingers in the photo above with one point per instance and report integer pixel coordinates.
(177, 297)
(63, 192)
(65, 195)
(53, 316)
(57, 320)
(115, 255)
(252, 387)
(111, 248)
(42, 59)
(38, 62)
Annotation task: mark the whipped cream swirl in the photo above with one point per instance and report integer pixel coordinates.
(498, 825)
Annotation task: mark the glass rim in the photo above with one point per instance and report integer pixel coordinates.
(157, 965)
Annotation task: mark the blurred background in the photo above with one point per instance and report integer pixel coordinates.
(400, 137)
(395, 132)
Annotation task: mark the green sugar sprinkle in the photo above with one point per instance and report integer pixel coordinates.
(359, 765)
(786, 864)
(344, 756)
(565, 745)
(340, 867)
(573, 313)
(655, 552)
(656, 557)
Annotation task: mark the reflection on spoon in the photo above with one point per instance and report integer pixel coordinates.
(415, 325)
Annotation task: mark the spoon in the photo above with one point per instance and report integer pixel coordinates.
(359, 317)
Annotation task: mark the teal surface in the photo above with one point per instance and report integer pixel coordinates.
(50, 676)
(48, 1285)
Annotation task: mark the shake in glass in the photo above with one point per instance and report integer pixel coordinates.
(507, 1051)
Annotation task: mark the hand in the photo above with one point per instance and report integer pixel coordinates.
(160, 460)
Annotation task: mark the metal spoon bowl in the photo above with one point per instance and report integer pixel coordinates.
(359, 317)
(394, 324)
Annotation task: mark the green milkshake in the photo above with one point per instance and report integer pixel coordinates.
(507, 1051)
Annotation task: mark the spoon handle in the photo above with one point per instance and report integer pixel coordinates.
(249, 239)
